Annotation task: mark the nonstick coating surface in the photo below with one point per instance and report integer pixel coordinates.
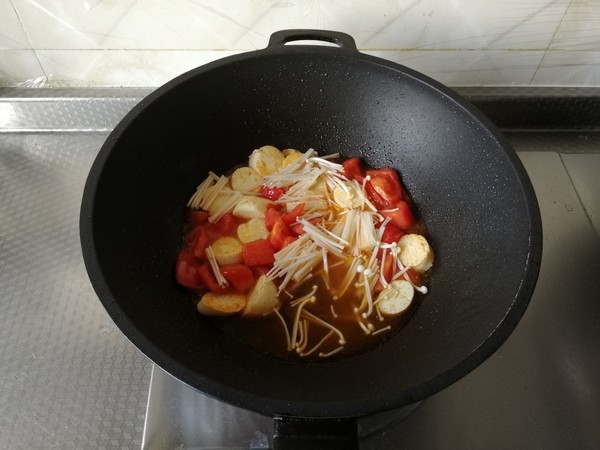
(469, 186)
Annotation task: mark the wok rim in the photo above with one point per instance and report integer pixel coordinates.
(275, 406)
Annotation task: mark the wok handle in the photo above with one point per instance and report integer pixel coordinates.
(313, 434)
(343, 40)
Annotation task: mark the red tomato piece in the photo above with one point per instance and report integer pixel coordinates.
(288, 240)
(272, 215)
(272, 193)
(227, 225)
(208, 277)
(401, 215)
(292, 216)
(353, 169)
(388, 272)
(260, 270)
(198, 217)
(190, 237)
(392, 188)
(378, 286)
(201, 243)
(414, 276)
(186, 271)
(297, 229)
(391, 233)
(376, 198)
(258, 253)
(278, 234)
(384, 190)
(239, 275)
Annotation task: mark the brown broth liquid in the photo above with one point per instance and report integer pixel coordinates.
(266, 334)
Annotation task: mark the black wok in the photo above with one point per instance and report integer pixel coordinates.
(468, 184)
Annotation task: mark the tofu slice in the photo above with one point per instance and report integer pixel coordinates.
(395, 298)
(227, 250)
(220, 201)
(252, 230)
(289, 151)
(415, 252)
(347, 198)
(290, 156)
(251, 207)
(221, 304)
(262, 298)
(266, 160)
(246, 179)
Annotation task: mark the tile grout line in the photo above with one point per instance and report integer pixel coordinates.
(550, 44)
(35, 52)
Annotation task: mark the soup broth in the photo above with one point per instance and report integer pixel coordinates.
(267, 335)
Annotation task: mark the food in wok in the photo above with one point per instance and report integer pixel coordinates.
(305, 256)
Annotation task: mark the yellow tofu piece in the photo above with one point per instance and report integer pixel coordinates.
(221, 304)
(262, 298)
(266, 160)
(395, 298)
(252, 230)
(415, 252)
(227, 250)
(246, 179)
(251, 207)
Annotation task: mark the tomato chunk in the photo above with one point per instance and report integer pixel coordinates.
(239, 275)
(226, 225)
(198, 217)
(387, 271)
(202, 241)
(415, 278)
(353, 169)
(292, 216)
(376, 198)
(272, 215)
(387, 183)
(278, 234)
(297, 229)
(401, 215)
(258, 253)
(190, 237)
(391, 233)
(186, 271)
(272, 193)
(288, 240)
(384, 190)
(208, 277)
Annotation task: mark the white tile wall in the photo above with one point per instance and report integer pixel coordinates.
(148, 42)
(12, 34)
(580, 68)
(580, 27)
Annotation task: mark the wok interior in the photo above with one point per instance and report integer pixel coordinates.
(461, 179)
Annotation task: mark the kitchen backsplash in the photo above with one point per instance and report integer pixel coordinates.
(147, 42)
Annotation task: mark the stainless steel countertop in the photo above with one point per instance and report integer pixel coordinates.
(70, 379)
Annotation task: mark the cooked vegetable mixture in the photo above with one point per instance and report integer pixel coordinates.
(322, 247)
